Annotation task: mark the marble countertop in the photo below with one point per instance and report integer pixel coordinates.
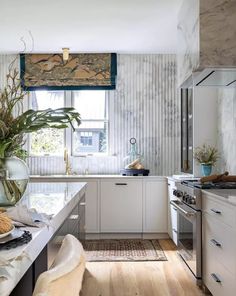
(66, 177)
(226, 195)
(56, 199)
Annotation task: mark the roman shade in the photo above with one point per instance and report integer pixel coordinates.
(81, 71)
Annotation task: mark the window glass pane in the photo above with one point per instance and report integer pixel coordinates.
(47, 141)
(90, 104)
(47, 99)
(91, 138)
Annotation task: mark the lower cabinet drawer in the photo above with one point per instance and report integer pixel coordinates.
(220, 240)
(222, 212)
(218, 280)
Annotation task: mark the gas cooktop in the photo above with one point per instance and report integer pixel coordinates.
(209, 185)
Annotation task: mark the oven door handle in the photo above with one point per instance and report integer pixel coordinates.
(186, 213)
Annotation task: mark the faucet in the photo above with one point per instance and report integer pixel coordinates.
(67, 162)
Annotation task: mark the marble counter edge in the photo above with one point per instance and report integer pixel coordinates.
(74, 177)
(222, 195)
(41, 237)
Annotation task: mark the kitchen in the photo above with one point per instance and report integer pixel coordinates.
(127, 171)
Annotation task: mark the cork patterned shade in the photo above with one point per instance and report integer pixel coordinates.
(81, 71)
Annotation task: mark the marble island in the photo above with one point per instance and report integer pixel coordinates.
(21, 266)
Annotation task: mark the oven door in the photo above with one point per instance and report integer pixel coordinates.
(189, 236)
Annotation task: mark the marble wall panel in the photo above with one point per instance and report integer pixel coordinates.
(217, 33)
(188, 39)
(144, 105)
(227, 129)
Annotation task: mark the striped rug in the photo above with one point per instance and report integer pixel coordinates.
(123, 250)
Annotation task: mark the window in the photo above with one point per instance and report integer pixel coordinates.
(89, 138)
(47, 141)
(86, 139)
(91, 135)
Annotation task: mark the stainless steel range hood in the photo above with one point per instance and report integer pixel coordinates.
(215, 77)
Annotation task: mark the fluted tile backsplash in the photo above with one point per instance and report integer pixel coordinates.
(145, 106)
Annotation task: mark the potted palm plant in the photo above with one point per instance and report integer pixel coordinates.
(14, 125)
(207, 157)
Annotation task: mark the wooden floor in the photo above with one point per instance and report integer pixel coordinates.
(162, 278)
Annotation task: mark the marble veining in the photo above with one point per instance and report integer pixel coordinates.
(206, 36)
(144, 105)
(217, 33)
(21, 258)
(188, 39)
(227, 129)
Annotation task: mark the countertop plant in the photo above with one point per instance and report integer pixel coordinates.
(206, 154)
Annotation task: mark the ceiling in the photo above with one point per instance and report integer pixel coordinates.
(122, 26)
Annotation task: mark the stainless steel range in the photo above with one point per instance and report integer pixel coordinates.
(188, 205)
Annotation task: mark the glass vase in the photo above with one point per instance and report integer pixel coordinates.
(14, 177)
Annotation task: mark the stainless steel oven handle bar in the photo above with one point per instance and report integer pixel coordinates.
(188, 214)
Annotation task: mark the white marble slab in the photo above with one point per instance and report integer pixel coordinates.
(55, 199)
(39, 178)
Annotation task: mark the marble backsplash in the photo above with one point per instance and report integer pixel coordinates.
(188, 39)
(145, 106)
(227, 129)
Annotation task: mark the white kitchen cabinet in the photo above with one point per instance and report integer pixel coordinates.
(155, 206)
(219, 245)
(121, 206)
(92, 213)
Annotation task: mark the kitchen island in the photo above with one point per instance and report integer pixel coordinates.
(21, 266)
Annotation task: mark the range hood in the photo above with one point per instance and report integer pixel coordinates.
(216, 77)
(206, 49)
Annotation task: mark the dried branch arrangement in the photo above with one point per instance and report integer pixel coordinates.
(14, 127)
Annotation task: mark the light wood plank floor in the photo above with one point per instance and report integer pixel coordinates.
(162, 278)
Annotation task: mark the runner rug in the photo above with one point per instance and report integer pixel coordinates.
(123, 250)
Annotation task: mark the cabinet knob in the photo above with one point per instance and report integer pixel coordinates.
(120, 184)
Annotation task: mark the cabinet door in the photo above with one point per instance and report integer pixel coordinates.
(155, 206)
(92, 206)
(121, 206)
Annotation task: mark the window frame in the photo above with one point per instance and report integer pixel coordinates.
(105, 120)
(68, 132)
(29, 135)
